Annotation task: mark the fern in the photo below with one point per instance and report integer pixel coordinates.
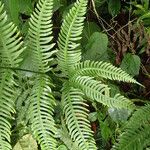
(11, 48)
(7, 99)
(65, 137)
(10, 41)
(137, 132)
(80, 81)
(39, 36)
(40, 112)
(76, 115)
(104, 70)
(41, 99)
(95, 90)
(69, 57)
(69, 52)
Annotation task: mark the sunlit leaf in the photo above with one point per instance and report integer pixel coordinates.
(26, 143)
(119, 114)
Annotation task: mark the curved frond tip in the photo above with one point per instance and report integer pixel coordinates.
(68, 43)
(95, 90)
(104, 70)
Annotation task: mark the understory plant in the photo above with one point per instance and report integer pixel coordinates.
(28, 75)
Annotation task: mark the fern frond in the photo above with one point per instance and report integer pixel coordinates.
(104, 70)
(134, 139)
(40, 113)
(65, 137)
(40, 35)
(76, 114)
(7, 101)
(11, 46)
(69, 52)
(95, 90)
(136, 131)
(11, 42)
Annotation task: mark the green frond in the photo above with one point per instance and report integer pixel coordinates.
(10, 41)
(40, 36)
(134, 139)
(69, 52)
(95, 90)
(104, 70)
(41, 111)
(7, 101)
(10, 50)
(136, 134)
(76, 114)
(65, 137)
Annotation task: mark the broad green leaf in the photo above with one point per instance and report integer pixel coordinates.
(140, 7)
(27, 64)
(57, 5)
(62, 147)
(26, 6)
(93, 116)
(14, 10)
(96, 47)
(114, 7)
(26, 143)
(118, 115)
(105, 130)
(17, 7)
(146, 4)
(114, 89)
(66, 10)
(99, 3)
(131, 64)
(88, 30)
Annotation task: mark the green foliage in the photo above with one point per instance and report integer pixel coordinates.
(69, 52)
(11, 48)
(142, 9)
(119, 114)
(96, 50)
(76, 115)
(40, 112)
(88, 30)
(99, 2)
(31, 84)
(41, 100)
(26, 143)
(103, 70)
(39, 36)
(136, 134)
(131, 64)
(114, 7)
